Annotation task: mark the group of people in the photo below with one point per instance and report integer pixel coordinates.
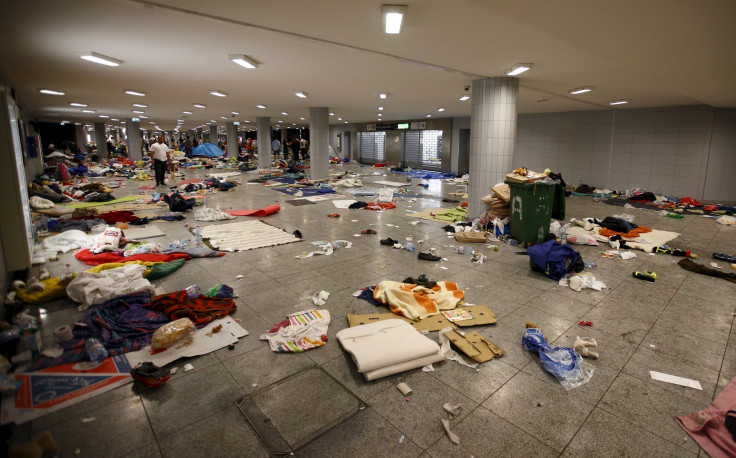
(292, 145)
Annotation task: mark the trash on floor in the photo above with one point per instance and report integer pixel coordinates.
(476, 346)
(306, 330)
(479, 315)
(454, 438)
(567, 366)
(714, 427)
(320, 298)
(325, 248)
(582, 345)
(675, 380)
(404, 388)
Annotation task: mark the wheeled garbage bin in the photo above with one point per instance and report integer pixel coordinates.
(531, 210)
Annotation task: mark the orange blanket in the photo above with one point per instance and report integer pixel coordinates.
(632, 234)
(417, 302)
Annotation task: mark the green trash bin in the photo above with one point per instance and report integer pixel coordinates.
(531, 210)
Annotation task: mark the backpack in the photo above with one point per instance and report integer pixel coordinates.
(177, 203)
(554, 260)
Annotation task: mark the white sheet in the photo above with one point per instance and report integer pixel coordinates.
(647, 242)
(245, 235)
(385, 343)
(95, 288)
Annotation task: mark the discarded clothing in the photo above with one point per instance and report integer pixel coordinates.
(710, 426)
(150, 219)
(54, 288)
(201, 310)
(87, 257)
(74, 224)
(39, 203)
(420, 280)
(643, 197)
(554, 260)
(270, 210)
(358, 204)
(90, 288)
(177, 203)
(617, 224)
(67, 241)
(194, 252)
(691, 266)
(388, 347)
(211, 214)
(416, 302)
(306, 330)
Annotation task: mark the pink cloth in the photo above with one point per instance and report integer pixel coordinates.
(707, 427)
(270, 210)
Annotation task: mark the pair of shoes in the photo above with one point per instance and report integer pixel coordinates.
(368, 231)
(427, 256)
(389, 242)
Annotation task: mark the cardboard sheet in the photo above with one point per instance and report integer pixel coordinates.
(203, 342)
(147, 232)
(470, 237)
(482, 315)
(475, 345)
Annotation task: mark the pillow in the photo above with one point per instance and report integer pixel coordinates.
(582, 239)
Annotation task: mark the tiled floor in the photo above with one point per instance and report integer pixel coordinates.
(682, 324)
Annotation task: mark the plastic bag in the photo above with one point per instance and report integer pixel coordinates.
(109, 240)
(171, 333)
(567, 366)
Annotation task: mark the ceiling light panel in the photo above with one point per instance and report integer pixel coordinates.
(580, 90)
(101, 59)
(218, 93)
(300, 94)
(51, 92)
(243, 60)
(393, 18)
(518, 69)
(136, 93)
(77, 104)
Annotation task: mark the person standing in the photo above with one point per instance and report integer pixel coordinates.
(161, 157)
(276, 147)
(304, 147)
(188, 147)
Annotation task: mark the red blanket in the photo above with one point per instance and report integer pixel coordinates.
(270, 210)
(92, 259)
(201, 310)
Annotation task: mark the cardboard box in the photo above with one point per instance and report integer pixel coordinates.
(470, 237)
(476, 346)
(482, 314)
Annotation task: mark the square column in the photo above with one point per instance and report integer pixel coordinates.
(133, 132)
(492, 137)
(232, 140)
(263, 124)
(319, 133)
(213, 134)
(101, 140)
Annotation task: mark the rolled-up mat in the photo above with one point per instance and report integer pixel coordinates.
(270, 210)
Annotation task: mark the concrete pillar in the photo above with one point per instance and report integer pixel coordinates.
(133, 131)
(199, 135)
(80, 133)
(319, 151)
(232, 140)
(213, 134)
(492, 137)
(101, 140)
(263, 124)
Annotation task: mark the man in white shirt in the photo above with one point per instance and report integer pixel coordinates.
(161, 158)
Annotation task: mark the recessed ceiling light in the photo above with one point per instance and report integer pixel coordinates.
(77, 104)
(580, 90)
(143, 117)
(187, 112)
(346, 122)
(243, 60)
(301, 94)
(280, 122)
(179, 120)
(380, 114)
(199, 105)
(223, 117)
(138, 111)
(140, 105)
(293, 124)
(541, 99)
(339, 119)
(618, 102)
(302, 119)
(218, 93)
(89, 111)
(114, 119)
(247, 120)
(429, 115)
(440, 109)
(132, 92)
(393, 18)
(235, 112)
(380, 108)
(285, 113)
(104, 116)
(101, 59)
(382, 95)
(464, 98)
(518, 69)
(51, 92)
(262, 106)
(332, 114)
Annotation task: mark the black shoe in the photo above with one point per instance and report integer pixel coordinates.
(297, 234)
(389, 242)
(427, 256)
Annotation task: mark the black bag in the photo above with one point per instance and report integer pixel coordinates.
(177, 203)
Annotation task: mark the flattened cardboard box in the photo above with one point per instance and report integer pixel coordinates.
(482, 314)
(470, 237)
(475, 345)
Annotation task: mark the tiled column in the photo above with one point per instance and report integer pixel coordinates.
(213, 134)
(133, 132)
(319, 151)
(492, 137)
(232, 140)
(101, 140)
(199, 135)
(263, 124)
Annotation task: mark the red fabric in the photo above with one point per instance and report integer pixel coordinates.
(270, 210)
(710, 208)
(708, 427)
(385, 206)
(112, 217)
(689, 201)
(201, 310)
(62, 171)
(92, 259)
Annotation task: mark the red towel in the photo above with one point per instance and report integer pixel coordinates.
(270, 210)
(201, 310)
(92, 259)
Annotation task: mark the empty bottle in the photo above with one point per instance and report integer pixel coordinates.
(563, 235)
(95, 350)
(193, 291)
(198, 237)
(540, 235)
(409, 246)
(9, 334)
(68, 272)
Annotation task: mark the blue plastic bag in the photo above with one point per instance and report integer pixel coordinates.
(567, 366)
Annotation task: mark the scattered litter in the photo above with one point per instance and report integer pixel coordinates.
(452, 409)
(451, 354)
(401, 439)
(357, 293)
(581, 346)
(675, 380)
(413, 223)
(428, 368)
(238, 277)
(407, 399)
(254, 385)
(444, 268)
(652, 346)
(77, 451)
(88, 419)
(450, 435)
(539, 404)
(567, 366)
(188, 367)
(715, 264)
(306, 330)
(585, 323)
(173, 370)
(320, 298)
(404, 388)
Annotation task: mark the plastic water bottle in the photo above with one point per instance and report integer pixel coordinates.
(409, 246)
(68, 272)
(198, 237)
(563, 235)
(95, 350)
(193, 291)
(9, 334)
(540, 235)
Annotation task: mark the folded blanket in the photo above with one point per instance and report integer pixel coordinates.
(416, 302)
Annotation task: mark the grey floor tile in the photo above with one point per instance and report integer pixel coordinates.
(117, 429)
(483, 433)
(555, 303)
(553, 326)
(613, 323)
(649, 407)
(419, 419)
(606, 434)
(365, 434)
(256, 369)
(694, 349)
(201, 393)
(224, 433)
(477, 384)
(150, 450)
(553, 415)
(613, 350)
(343, 369)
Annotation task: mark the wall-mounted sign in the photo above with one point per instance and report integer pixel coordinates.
(403, 125)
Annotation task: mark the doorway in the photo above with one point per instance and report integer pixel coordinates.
(463, 159)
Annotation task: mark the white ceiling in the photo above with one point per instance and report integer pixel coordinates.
(652, 52)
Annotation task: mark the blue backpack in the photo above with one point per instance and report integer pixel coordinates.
(554, 260)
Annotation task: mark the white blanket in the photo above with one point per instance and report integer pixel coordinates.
(386, 343)
(67, 241)
(95, 288)
(646, 242)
